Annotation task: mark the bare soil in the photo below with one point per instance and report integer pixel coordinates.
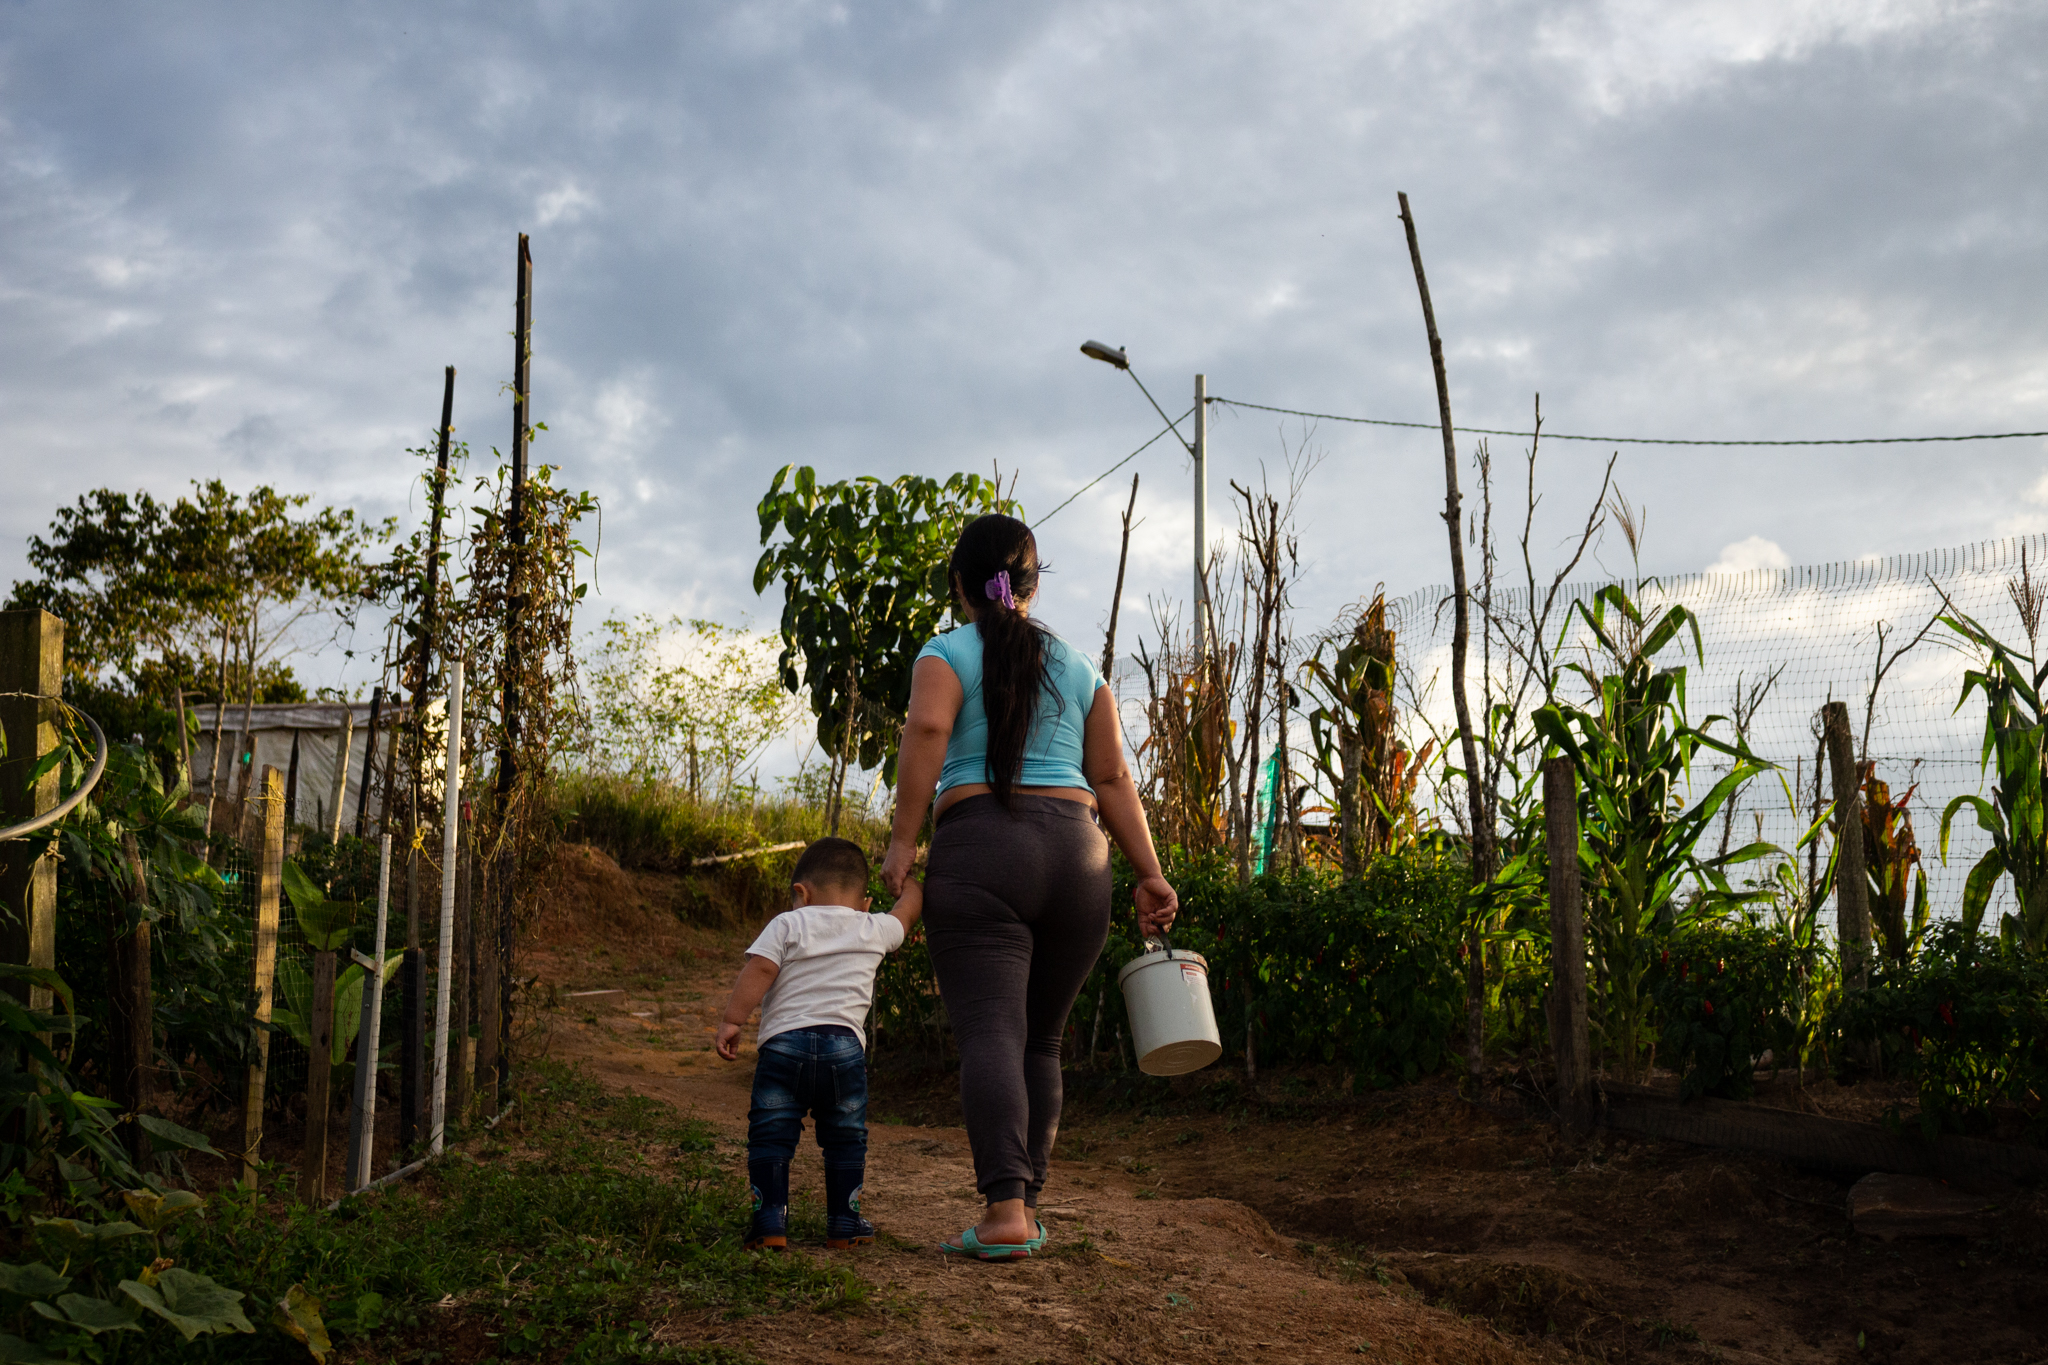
(1217, 1220)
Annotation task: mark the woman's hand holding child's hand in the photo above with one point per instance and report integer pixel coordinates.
(896, 866)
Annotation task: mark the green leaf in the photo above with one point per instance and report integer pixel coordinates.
(99, 1315)
(15, 1351)
(157, 1211)
(169, 1134)
(33, 1281)
(297, 1315)
(192, 1303)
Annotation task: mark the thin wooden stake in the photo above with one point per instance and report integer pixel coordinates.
(1461, 637)
(1852, 885)
(319, 1077)
(1116, 600)
(263, 972)
(1569, 1044)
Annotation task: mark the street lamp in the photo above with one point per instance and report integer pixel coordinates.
(1198, 451)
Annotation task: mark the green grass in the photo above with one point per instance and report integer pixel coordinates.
(571, 1238)
(658, 825)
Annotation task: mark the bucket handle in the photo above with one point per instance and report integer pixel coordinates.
(1164, 942)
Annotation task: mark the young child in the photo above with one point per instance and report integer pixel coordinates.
(812, 972)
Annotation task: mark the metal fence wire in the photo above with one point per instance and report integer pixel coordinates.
(1818, 627)
(238, 867)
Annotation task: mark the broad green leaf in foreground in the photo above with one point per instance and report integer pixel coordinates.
(191, 1303)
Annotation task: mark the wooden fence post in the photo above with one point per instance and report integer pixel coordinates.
(31, 661)
(1568, 1040)
(263, 972)
(490, 1012)
(1852, 886)
(133, 1026)
(337, 793)
(319, 1074)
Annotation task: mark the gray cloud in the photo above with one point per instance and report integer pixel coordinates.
(244, 242)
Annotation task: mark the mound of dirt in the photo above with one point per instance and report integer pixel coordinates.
(1538, 1299)
(588, 897)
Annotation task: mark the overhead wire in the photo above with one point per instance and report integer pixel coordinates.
(1170, 426)
(1174, 427)
(1634, 440)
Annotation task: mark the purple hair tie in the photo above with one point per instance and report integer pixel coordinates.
(998, 590)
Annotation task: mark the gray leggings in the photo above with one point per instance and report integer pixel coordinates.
(1016, 909)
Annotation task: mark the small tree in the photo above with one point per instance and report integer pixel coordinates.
(134, 577)
(699, 720)
(863, 572)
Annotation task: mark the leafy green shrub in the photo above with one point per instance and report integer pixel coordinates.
(1969, 1018)
(1361, 974)
(1726, 993)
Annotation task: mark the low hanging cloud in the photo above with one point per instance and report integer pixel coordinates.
(1750, 554)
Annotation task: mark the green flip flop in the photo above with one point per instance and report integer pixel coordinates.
(1036, 1243)
(973, 1246)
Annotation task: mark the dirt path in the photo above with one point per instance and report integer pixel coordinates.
(1163, 1213)
(1129, 1276)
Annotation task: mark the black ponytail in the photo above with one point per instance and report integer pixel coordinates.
(993, 552)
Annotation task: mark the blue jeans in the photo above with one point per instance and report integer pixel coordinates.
(822, 1072)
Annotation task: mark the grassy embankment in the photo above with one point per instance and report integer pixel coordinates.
(570, 1232)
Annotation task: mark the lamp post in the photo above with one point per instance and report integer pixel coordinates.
(1198, 451)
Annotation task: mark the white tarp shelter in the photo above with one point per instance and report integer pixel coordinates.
(319, 728)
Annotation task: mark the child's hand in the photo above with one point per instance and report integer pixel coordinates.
(729, 1042)
(909, 904)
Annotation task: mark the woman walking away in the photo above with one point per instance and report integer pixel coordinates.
(1017, 733)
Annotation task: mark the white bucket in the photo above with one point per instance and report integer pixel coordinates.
(1173, 1025)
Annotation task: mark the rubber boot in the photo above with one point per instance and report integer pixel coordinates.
(768, 1179)
(844, 1227)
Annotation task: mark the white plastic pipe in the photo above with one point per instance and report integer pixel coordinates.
(451, 820)
(365, 1132)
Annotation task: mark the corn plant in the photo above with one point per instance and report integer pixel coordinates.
(1187, 747)
(1638, 839)
(2015, 815)
(1891, 856)
(1357, 741)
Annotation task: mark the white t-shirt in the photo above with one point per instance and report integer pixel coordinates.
(828, 955)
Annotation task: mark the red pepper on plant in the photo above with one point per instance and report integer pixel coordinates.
(1707, 1006)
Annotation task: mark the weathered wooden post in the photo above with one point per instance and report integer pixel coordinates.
(337, 796)
(369, 762)
(1852, 885)
(263, 972)
(1568, 1041)
(319, 1077)
(31, 668)
(511, 713)
(362, 1133)
(133, 1026)
(489, 1015)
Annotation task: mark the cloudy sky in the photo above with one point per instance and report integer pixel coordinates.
(243, 240)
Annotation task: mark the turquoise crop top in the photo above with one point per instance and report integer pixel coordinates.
(1052, 755)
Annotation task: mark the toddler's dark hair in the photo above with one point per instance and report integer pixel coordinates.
(834, 863)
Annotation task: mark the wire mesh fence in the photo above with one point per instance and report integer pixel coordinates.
(1815, 631)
